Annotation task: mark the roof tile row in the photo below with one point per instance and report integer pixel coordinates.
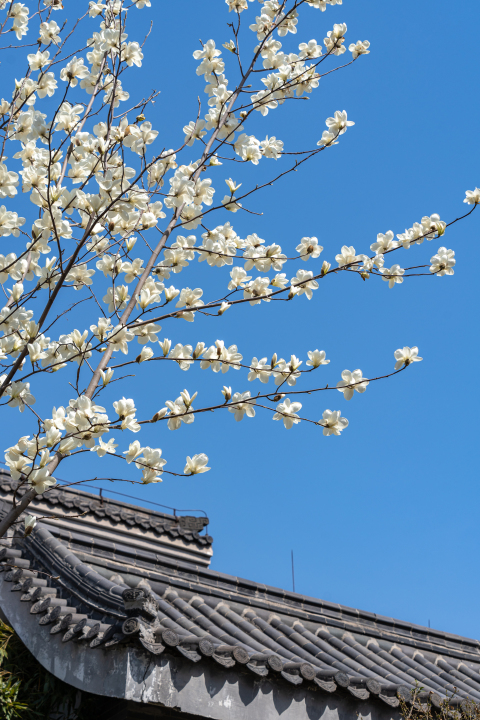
(79, 604)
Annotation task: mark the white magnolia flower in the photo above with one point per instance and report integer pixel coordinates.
(134, 450)
(57, 420)
(286, 371)
(165, 346)
(271, 147)
(325, 268)
(49, 33)
(232, 185)
(359, 48)
(116, 298)
(189, 299)
(472, 197)
(347, 256)
(227, 393)
(8, 182)
(328, 138)
(259, 369)
(392, 275)
(384, 243)
(183, 355)
(139, 137)
(17, 464)
(257, 290)
(119, 338)
(151, 465)
(73, 71)
(352, 381)
(317, 358)
(52, 437)
(309, 248)
(179, 411)
(146, 333)
(239, 278)
(334, 40)
(310, 50)
(130, 423)
(95, 8)
(303, 283)
(194, 131)
(432, 226)
(145, 354)
(287, 411)
(333, 423)
(210, 57)
(124, 407)
(443, 262)
(40, 480)
(243, 407)
(406, 356)
(20, 395)
(38, 60)
(132, 54)
(196, 464)
(230, 203)
(106, 376)
(150, 476)
(279, 281)
(339, 123)
(104, 447)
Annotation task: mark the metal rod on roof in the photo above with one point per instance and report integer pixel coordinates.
(293, 574)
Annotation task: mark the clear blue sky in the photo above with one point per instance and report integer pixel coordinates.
(385, 518)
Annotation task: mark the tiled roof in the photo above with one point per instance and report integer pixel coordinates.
(67, 498)
(109, 594)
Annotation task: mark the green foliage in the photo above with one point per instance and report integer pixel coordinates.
(28, 691)
(420, 707)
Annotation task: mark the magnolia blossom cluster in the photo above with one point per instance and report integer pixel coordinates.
(82, 425)
(119, 214)
(430, 227)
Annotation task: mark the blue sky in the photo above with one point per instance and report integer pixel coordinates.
(384, 518)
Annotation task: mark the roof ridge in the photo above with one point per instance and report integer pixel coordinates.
(186, 527)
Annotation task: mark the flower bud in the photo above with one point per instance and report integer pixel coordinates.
(29, 522)
(159, 415)
(232, 185)
(146, 354)
(165, 345)
(17, 291)
(130, 242)
(171, 293)
(223, 307)
(199, 350)
(106, 376)
(325, 268)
